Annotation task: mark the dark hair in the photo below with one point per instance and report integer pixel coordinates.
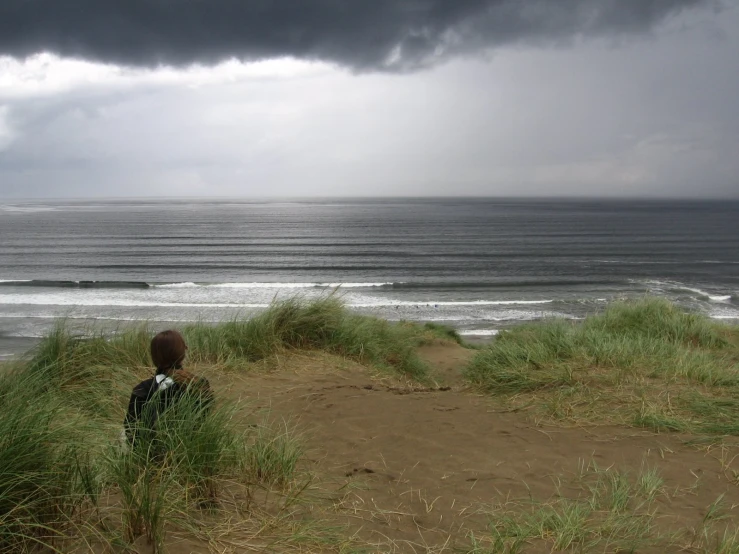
(168, 351)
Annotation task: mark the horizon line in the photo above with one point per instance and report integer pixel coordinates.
(264, 198)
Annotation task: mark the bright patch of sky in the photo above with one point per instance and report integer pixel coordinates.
(49, 74)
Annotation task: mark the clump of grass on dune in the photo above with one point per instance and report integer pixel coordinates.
(174, 477)
(273, 452)
(73, 361)
(179, 468)
(443, 332)
(646, 363)
(69, 357)
(66, 481)
(46, 478)
(94, 370)
(324, 324)
(612, 514)
(603, 510)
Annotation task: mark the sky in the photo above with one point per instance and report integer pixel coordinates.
(266, 98)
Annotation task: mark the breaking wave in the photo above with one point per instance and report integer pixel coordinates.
(479, 332)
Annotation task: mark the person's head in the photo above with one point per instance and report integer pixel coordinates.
(168, 350)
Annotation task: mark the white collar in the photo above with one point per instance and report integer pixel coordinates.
(163, 381)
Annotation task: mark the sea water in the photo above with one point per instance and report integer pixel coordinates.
(479, 265)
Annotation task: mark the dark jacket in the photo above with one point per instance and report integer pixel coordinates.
(152, 396)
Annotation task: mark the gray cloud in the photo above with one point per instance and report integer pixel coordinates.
(654, 117)
(361, 34)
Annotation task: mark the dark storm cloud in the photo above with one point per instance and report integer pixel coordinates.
(362, 34)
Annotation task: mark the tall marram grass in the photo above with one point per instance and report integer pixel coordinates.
(45, 473)
(93, 370)
(61, 466)
(324, 324)
(177, 466)
(273, 452)
(632, 348)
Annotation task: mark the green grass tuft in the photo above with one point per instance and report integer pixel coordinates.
(610, 515)
(273, 453)
(444, 332)
(176, 468)
(672, 370)
(45, 474)
(321, 325)
(605, 511)
(72, 362)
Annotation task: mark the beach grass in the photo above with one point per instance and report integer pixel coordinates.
(645, 363)
(46, 475)
(73, 360)
(324, 324)
(602, 510)
(273, 452)
(66, 482)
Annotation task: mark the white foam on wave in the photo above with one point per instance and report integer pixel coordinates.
(680, 286)
(94, 317)
(25, 316)
(723, 312)
(711, 297)
(501, 316)
(26, 209)
(355, 285)
(58, 300)
(15, 280)
(479, 332)
(450, 319)
(638, 262)
(382, 303)
(272, 285)
(695, 290)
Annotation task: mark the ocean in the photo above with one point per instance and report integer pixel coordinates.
(479, 265)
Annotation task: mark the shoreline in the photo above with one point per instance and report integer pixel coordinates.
(14, 348)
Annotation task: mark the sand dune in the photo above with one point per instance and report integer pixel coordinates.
(410, 468)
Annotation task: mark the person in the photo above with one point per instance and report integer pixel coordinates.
(154, 395)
